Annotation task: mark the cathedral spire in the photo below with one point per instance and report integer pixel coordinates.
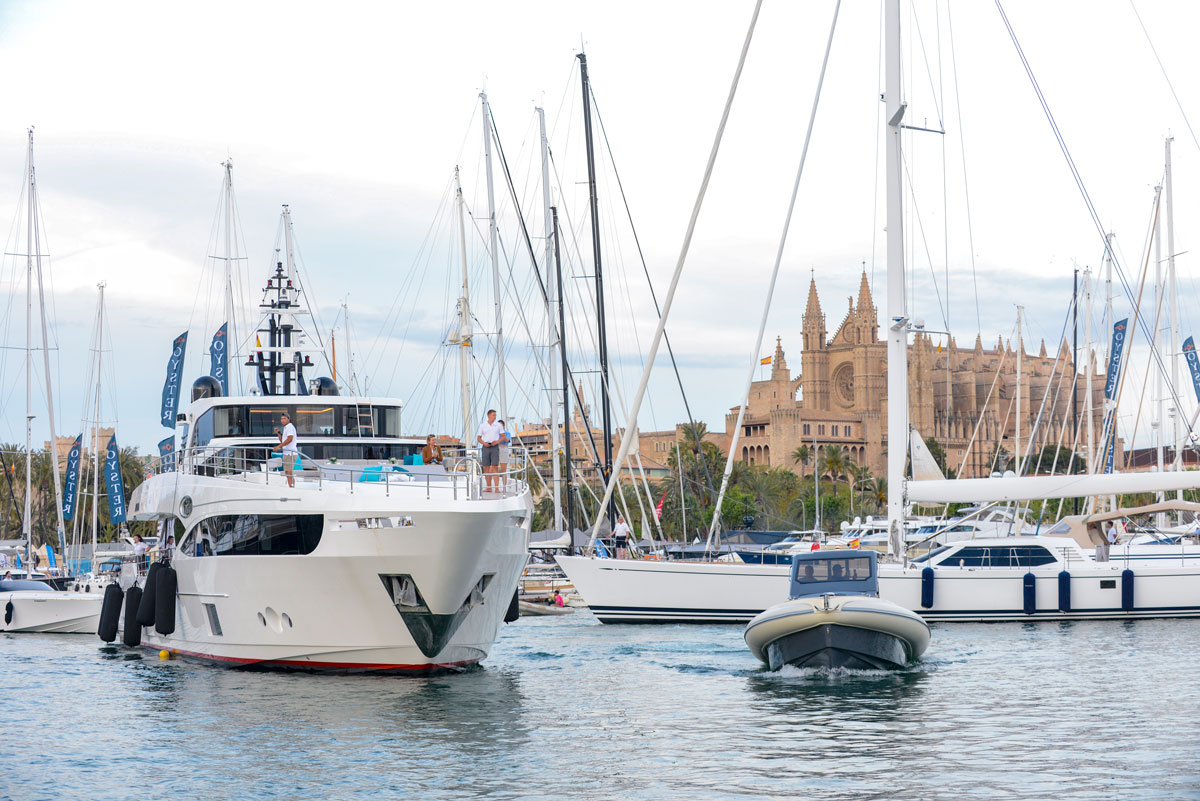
(779, 366)
(814, 303)
(814, 320)
(865, 302)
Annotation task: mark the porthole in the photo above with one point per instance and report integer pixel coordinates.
(287, 619)
(185, 506)
(262, 619)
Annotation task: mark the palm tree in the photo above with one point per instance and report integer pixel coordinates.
(879, 493)
(801, 455)
(833, 462)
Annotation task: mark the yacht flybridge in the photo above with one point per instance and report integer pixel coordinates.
(354, 559)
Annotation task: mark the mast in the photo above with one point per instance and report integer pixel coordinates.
(566, 374)
(26, 524)
(554, 335)
(816, 483)
(495, 248)
(1173, 300)
(1075, 365)
(96, 428)
(601, 328)
(349, 349)
(1087, 398)
(897, 354)
(1020, 353)
(463, 336)
(231, 332)
(1157, 424)
(682, 497)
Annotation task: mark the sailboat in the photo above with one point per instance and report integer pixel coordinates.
(337, 558)
(1042, 577)
(29, 605)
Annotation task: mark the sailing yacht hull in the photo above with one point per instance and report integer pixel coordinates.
(50, 611)
(630, 591)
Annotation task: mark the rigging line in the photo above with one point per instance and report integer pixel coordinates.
(928, 72)
(517, 207)
(1034, 429)
(744, 397)
(1139, 322)
(1171, 86)
(963, 153)
(986, 402)
(912, 192)
(653, 295)
(687, 241)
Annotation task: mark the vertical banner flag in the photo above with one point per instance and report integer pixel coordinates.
(116, 486)
(219, 353)
(1193, 363)
(170, 393)
(72, 488)
(1111, 381)
(166, 454)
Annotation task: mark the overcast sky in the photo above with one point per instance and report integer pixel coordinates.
(357, 117)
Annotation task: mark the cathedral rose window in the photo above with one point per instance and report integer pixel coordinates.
(843, 384)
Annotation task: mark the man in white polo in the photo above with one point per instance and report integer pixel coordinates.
(489, 435)
(287, 446)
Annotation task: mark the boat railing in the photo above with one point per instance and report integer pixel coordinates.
(461, 471)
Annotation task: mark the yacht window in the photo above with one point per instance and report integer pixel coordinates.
(1032, 556)
(257, 535)
(926, 557)
(227, 421)
(1061, 528)
(204, 429)
(852, 568)
(387, 421)
(264, 420)
(316, 421)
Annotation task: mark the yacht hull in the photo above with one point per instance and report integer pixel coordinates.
(50, 612)
(396, 584)
(632, 591)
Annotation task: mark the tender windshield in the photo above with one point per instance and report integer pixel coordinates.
(850, 568)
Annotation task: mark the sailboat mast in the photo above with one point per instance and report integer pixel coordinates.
(37, 255)
(27, 525)
(464, 321)
(1174, 313)
(566, 373)
(1157, 424)
(1088, 366)
(230, 333)
(96, 428)
(601, 328)
(897, 354)
(1020, 354)
(554, 335)
(495, 248)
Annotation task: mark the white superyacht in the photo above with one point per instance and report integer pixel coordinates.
(367, 563)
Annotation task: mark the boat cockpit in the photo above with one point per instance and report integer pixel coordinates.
(834, 573)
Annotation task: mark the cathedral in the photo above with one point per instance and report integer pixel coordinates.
(840, 396)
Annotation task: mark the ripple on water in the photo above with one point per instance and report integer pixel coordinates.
(568, 708)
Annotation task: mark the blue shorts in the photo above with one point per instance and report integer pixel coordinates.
(491, 455)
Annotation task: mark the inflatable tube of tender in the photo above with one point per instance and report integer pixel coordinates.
(1127, 590)
(165, 586)
(1030, 593)
(514, 609)
(1064, 591)
(131, 635)
(927, 588)
(110, 612)
(145, 610)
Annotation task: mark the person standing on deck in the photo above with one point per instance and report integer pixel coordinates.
(489, 436)
(502, 467)
(621, 535)
(287, 446)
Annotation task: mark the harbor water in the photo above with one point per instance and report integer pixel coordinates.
(566, 708)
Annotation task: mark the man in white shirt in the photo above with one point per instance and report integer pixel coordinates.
(287, 446)
(489, 435)
(621, 535)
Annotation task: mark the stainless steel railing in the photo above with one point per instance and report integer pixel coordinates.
(461, 472)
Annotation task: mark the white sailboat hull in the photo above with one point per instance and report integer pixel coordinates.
(629, 591)
(48, 611)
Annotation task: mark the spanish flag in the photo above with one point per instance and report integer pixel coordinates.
(854, 542)
(765, 360)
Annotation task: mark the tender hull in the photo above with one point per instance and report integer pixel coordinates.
(50, 611)
(846, 631)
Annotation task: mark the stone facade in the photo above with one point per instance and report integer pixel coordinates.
(840, 396)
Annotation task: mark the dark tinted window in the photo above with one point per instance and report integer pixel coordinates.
(257, 535)
(1004, 556)
(850, 568)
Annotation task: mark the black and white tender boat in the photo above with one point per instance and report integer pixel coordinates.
(835, 618)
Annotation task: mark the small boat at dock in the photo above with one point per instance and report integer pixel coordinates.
(835, 618)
